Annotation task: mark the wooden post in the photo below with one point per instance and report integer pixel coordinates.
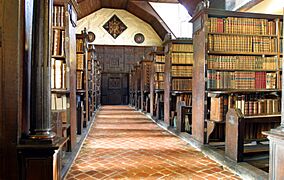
(39, 152)
(234, 145)
(179, 115)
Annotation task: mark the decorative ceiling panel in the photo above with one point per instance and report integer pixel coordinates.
(114, 26)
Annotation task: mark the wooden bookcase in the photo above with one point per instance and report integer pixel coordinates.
(177, 76)
(98, 77)
(132, 87)
(157, 83)
(145, 71)
(92, 79)
(82, 80)
(63, 71)
(236, 66)
(137, 86)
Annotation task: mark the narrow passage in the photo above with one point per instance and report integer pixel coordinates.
(125, 144)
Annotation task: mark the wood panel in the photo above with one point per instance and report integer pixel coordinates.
(190, 5)
(116, 62)
(11, 85)
(88, 7)
(119, 59)
(117, 4)
(71, 54)
(115, 89)
(1, 94)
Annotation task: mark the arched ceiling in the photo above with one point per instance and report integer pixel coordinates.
(139, 8)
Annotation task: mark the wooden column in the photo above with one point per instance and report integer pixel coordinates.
(12, 49)
(179, 115)
(40, 127)
(167, 85)
(39, 152)
(152, 87)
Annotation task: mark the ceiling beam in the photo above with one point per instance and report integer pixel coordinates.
(144, 11)
(190, 5)
(88, 7)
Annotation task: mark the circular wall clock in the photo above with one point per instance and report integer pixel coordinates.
(139, 38)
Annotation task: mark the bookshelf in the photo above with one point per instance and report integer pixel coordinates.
(82, 81)
(157, 83)
(236, 66)
(63, 73)
(137, 86)
(91, 79)
(178, 77)
(59, 77)
(132, 87)
(98, 74)
(145, 66)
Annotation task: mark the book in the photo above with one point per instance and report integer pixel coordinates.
(240, 80)
(79, 80)
(242, 62)
(239, 43)
(181, 84)
(56, 42)
(58, 16)
(236, 25)
(80, 62)
(216, 109)
(58, 102)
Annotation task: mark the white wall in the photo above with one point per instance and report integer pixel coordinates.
(95, 21)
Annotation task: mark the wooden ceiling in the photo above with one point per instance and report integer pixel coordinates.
(140, 8)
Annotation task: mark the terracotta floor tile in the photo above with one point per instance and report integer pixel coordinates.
(125, 144)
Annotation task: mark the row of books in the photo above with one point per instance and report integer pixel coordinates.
(159, 85)
(80, 62)
(58, 74)
(80, 81)
(250, 107)
(181, 84)
(281, 28)
(187, 98)
(79, 45)
(182, 47)
(182, 71)
(254, 130)
(58, 16)
(58, 102)
(159, 77)
(89, 65)
(242, 26)
(240, 80)
(159, 67)
(242, 43)
(281, 46)
(160, 58)
(242, 62)
(58, 48)
(182, 58)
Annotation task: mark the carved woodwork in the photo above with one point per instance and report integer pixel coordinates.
(116, 63)
(236, 125)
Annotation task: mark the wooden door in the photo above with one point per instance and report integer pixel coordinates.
(114, 88)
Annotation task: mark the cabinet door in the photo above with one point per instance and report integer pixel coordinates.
(114, 89)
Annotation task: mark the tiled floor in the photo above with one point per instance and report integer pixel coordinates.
(124, 144)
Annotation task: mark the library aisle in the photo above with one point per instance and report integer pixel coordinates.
(125, 144)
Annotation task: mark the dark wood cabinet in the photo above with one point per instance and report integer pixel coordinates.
(116, 62)
(115, 89)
